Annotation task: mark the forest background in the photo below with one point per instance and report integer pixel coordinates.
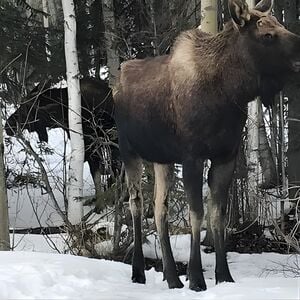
(264, 195)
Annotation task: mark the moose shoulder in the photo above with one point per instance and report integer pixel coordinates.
(190, 106)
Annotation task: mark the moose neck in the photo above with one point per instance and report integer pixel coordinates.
(220, 63)
(236, 70)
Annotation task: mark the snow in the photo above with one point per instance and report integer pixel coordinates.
(44, 275)
(23, 200)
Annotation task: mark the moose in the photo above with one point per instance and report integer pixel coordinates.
(189, 106)
(48, 107)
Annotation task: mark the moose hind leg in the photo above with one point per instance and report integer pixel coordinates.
(162, 182)
(219, 179)
(193, 180)
(134, 170)
(100, 203)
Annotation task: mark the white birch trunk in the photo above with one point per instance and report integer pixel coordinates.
(252, 150)
(253, 157)
(266, 160)
(46, 26)
(283, 156)
(209, 16)
(209, 24)
(45, 18)
(75, 182)
(4, 224)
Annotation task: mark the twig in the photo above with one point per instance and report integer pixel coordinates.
(10, 63)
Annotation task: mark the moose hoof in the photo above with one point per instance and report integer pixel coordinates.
(175, 284)
(198, 286)
(138, 276)
(224, 278)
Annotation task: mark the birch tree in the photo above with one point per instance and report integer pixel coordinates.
(209, 24)
(266, 159)
(252, 149)
(75, 184)
(209, 16)
(292, 92)
(4, 224)
(253, 156)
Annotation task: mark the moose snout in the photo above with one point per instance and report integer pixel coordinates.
(294, 42)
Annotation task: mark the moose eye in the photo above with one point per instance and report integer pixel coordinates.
(268, 37)
(260, 23)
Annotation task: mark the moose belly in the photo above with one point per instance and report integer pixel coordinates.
(156, 144)
(222, 143)
(156, 141)
(216, 133)
(166, 151)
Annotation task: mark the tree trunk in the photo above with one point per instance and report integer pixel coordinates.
(209, 16)
(153, 21)
(282, 160)
(113, 60)
(252, 150)
(292, 91)
(268, 166)
(192, 15)
(278, 8)
(226, 11)
(209, 24)
(55, 13)
(253, 157)
(75, 184)
(4, 224)
(173, 15)
(113, 63)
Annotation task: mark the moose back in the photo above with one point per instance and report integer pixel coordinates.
(47, 107)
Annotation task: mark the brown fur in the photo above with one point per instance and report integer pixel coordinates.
(211, 73)
(191, 105)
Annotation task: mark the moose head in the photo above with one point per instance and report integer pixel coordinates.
(41, 109)
(272, 48)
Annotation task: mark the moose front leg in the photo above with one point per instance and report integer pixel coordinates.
(134, 169)
(163, 174)
(219, 179)
(193, 180)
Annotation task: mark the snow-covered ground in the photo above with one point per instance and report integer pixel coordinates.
(31, 206)
(40, 275)
(35, 270)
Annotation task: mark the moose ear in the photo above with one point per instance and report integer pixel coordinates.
(264, 6)
(239, 11)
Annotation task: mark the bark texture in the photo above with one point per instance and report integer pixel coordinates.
(75, 184)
